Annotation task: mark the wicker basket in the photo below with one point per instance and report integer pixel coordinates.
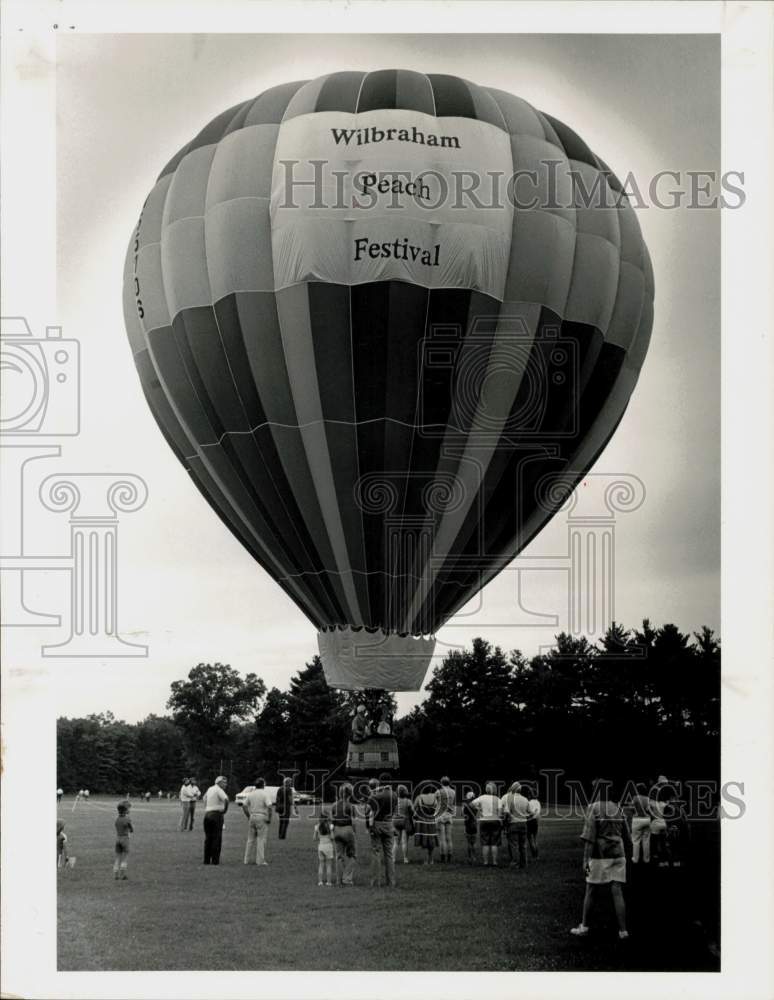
(376, 753)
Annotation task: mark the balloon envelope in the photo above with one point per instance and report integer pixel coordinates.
(378, 316)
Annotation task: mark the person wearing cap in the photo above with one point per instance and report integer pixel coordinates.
(380, 806)
(470, 819)
(446, 803)
(215, 808)
(515, 811)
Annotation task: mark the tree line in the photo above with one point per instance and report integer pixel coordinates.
(641, 702)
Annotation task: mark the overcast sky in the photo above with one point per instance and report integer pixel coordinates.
(125, 104)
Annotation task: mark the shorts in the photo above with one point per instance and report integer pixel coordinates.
(604, 870)
(490, 831)
(445, 818)
(658, 826)
(325, 852)
(122, 845)
(399, 824)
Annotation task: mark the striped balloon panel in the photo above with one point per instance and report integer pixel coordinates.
(384, 447)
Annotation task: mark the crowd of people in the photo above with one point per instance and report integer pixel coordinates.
(394, 820)
(646, 827)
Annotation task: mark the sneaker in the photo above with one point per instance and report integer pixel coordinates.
(406, 861)
(264, 864)
(320, 883)
(579, 931)
(329, 884)
(623, 935)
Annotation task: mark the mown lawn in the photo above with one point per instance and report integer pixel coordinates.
(176, 914)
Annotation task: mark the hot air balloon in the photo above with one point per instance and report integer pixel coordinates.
(372, 377)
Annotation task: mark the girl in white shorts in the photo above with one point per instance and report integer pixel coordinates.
(323, 834)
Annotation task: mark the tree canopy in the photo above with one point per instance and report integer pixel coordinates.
(648, 698)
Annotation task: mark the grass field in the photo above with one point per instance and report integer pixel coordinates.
(173, 913)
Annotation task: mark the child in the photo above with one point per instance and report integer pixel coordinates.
(323, 834)
(470, 817)
(123, 829)
(403, 821)
(61, 845)
(532, 825)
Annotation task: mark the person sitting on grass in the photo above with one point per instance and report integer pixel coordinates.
(123, 829)
(323, 835)
(606, 841)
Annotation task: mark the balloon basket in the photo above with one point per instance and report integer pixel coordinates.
(374, 754)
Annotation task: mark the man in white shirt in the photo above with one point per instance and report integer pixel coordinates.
(189, 793)
(215, 808)
(515, 816)
(257, 806)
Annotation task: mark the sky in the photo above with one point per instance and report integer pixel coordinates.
(126, 103)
